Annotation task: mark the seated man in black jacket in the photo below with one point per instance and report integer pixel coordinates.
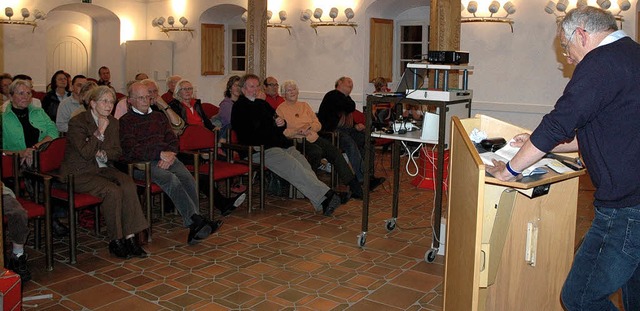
(335, 115)
(256, 123)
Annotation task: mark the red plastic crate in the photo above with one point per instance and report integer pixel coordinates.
(10, 290)
(427, 169)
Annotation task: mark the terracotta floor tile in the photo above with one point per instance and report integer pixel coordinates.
(99, 295)
(284, 257)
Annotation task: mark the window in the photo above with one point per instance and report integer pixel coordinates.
(413, 44)
(238, 49)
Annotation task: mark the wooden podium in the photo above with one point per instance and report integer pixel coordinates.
(509, 245)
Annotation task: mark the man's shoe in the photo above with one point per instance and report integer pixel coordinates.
(59, 229)
(214, 225)
(19, 266)
(201, 228)
(356, 189)
(119, 249)
(134, 249)
(374, 182)
(330, 204)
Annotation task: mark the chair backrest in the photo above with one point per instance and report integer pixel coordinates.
(51, 156)
(197, 137)
(210, 110)
(358, 117)
(39, 95)
(7, 166)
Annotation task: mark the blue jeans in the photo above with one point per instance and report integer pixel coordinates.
(179, 185)
(352, 143)
(607, 260)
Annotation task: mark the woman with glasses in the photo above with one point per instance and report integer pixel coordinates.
(93, 144)
(24, 126)
(188, 107)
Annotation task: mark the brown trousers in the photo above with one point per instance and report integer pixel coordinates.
(120, 206)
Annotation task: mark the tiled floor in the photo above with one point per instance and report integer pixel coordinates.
(284, 257)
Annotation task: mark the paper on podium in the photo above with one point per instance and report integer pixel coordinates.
(507, 153)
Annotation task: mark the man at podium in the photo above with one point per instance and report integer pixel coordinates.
(597, 115)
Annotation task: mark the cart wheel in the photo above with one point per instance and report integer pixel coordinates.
(362, 239)
(430, 255)
(390, 224)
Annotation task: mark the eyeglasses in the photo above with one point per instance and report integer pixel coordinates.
(106, 101)
(187, 89)
(23, 93)
(141, 98)
(565, 46)
(273, 84)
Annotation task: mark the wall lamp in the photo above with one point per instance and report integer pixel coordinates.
(560, 9)
(159, 22)
(333, 13)
(37, 14)
(282, 15)
(494, 7)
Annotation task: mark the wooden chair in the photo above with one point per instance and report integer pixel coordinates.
(48, 162)
(38, 208)
(199, 142)
(150, 189)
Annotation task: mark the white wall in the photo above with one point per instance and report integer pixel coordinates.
(516, 75)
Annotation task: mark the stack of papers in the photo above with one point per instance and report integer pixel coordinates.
(506, 153)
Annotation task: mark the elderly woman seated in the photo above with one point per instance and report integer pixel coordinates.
(303, 123)
(93, 144)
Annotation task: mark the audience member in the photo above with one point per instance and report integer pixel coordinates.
(105, 77)
(256, 123)
(57, 94)
(335, 115)
(222, 120)
(34, 101)
(25, 127)
(302, 122)
(381, 115)
(171, 86)
(17, 231)
(93, 143)
(141, 76)
(70, 104)
(5, 80)
(188, 107)
(158, 104)
(147, 136)
(271, 90)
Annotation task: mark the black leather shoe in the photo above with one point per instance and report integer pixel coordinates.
(214, 225)
(119, 249)
(134, 249)
(59, 229)
(19, 266)
(199, 226)
(330, 204)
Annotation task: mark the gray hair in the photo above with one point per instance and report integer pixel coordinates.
(341, 79)
(592, 19)
(17, 82)
(176, 92)
(289, 83)
(173, 78)
(96, 93)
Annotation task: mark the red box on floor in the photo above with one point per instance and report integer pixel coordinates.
(426, 177)
(10, 290)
